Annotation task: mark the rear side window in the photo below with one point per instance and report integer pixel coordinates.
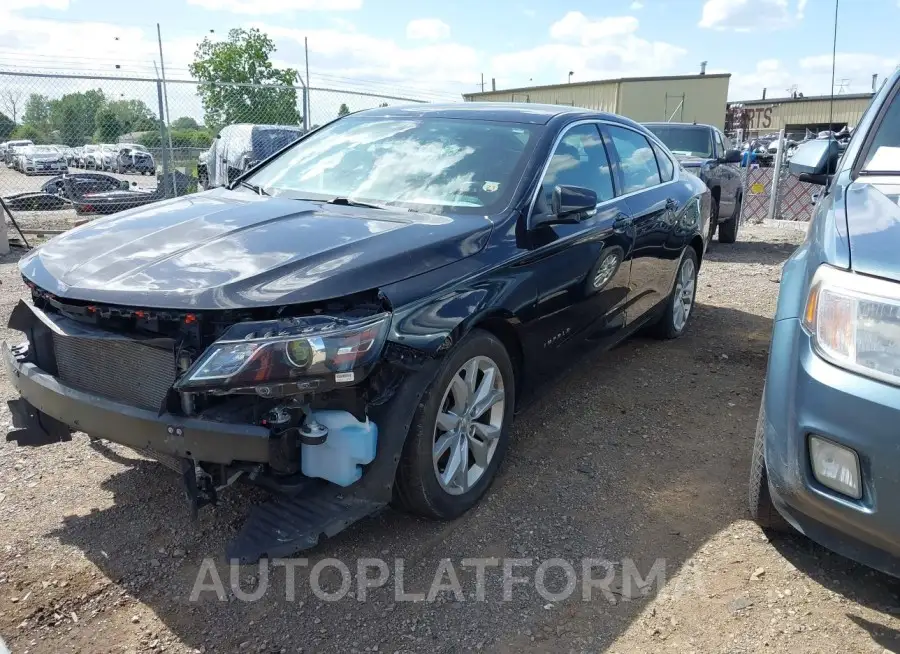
(666, 167)
(636, 158)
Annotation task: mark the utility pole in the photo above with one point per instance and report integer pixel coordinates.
(482, 82)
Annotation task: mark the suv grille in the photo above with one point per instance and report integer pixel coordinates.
(120, 370)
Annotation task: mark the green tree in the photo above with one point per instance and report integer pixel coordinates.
(109, 127)
(181, 138)
(244, 59)
(37, 112)
(185, 122)
(133, 115)
(29, 132)
(343, 110)
(75, 116)
(6, 126)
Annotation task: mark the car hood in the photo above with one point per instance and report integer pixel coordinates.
(233, 249)
(873, 226)
(43, 157)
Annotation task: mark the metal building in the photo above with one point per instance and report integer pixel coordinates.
(799, 114)
(677, 98)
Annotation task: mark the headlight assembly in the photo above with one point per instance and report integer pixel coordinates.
(855, 322)
(333, 351)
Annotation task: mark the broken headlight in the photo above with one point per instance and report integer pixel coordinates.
(333, 351)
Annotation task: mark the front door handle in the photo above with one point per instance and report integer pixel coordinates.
(671, 204)
(622, 222)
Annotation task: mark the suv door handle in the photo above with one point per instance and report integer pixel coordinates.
(671, 204)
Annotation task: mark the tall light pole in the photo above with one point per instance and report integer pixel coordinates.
(571, 72)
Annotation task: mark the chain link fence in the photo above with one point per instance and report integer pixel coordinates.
(769, 190)
(86, 146)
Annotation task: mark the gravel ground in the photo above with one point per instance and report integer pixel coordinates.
(639, 455)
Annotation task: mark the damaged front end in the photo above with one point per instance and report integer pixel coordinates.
(310, 402)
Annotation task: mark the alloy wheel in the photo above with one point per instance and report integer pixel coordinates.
(684, 294)
(468, 425)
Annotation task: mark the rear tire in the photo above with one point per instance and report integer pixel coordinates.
(422, 486)
(680, 303)
(762, 510)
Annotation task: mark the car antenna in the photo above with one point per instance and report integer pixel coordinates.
(833, 66)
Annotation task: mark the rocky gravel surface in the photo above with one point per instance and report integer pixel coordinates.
(635, 461)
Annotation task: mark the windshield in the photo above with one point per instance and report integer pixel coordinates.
(684, 140)
(884, 152)
(430, 164)
(42, 149)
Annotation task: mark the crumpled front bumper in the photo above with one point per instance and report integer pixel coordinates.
(201, 440)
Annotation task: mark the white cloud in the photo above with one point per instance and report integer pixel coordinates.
(592, 48)
(750, 15)
(812, 75)
(637, 5)
(427, 29)
(276, 6)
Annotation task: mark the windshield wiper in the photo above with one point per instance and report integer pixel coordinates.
(259, 190)
(347, 202)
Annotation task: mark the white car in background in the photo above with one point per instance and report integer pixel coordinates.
(41, 159)
(90, 157)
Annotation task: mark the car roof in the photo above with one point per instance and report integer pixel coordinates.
(510, 112)
(667, 124)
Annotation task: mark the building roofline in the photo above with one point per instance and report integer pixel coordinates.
(596, 81)
(807, 98)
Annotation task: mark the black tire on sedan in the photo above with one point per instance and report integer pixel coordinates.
(762, 510)
(460, 430)
(680, 303)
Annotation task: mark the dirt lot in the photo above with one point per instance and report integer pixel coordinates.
(637, 455)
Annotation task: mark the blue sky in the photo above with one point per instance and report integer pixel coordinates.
(439, 49)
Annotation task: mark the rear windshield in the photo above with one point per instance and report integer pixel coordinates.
(684, 140)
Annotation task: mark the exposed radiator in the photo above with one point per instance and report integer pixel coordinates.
(120, 370)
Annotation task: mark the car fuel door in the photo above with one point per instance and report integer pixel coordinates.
(581, 266)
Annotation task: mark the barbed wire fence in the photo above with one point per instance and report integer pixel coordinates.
(83, 146)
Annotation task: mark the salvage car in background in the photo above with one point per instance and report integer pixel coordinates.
(13, 149)
(40, 160)
(355, 320)
(238, 148)
(91, 157)
(825, 458)
(704, 151)
(134, 158)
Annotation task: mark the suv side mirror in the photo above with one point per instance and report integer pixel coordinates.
(814, 160)
(731, 156)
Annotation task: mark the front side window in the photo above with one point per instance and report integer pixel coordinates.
(636, 159)
(883, 155)
(429, 164)
(579, 160)
(720, 146)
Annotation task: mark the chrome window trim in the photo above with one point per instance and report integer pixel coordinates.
(599, 121)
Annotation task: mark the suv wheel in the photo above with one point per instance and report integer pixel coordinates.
(460, 431)
(762, 510)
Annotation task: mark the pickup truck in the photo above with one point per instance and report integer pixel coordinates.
(704, 151)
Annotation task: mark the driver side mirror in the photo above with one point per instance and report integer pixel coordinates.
(815, 160)
(731, 156)
(569, 205)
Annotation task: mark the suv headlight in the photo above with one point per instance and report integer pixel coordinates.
(855, 322)
(331, 350)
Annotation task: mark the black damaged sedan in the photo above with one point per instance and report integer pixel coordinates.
(354, 322)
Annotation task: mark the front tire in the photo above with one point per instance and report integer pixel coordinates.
(680, 303)
(460, 430)
(762, 510)
(728, 230)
